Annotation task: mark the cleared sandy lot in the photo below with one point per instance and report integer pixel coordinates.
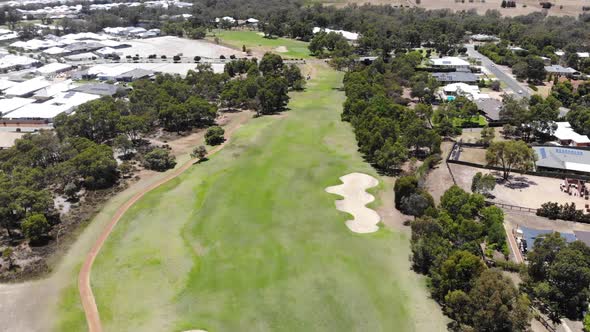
(170, 46)
(570, 7)
(522, 190)
(353, 189)
(168, 68)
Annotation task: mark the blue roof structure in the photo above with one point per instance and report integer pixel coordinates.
(530, 234)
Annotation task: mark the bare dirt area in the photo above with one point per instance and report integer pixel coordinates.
(521, 190)
(184, 144)
(515, 218)
(473, 155)
(524, 7)
(23, 306)
(170, 46)
(473, 135)
(390, 216)
(439, 178)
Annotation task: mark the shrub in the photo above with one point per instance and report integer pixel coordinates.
(159, 160)
(214, 135)
(35, 227)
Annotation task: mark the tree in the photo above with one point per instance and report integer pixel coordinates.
(96, 165)
(458, 272)
(35, 227)
(483, 184)
(272, 94)
(428, 244)
(271, 65)
(214, 135)
(415, 205)
(487, 135)
(496, 304)
(510, 155)
(457, 202)
(391, 156)
(404, 186)
(159, 160)
(7, 256)
(199, 152)
(123, 143)
(535, 69)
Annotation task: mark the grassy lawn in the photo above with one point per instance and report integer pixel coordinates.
(479, 120)
(250, 241)
(254, 41)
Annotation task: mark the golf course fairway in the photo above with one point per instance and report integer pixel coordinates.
(250, 241)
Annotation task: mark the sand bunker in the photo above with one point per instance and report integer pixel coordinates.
(353, 189)
(281, 49)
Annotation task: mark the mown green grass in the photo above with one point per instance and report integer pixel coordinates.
(250, 241)
(253, 40)
(479, 120)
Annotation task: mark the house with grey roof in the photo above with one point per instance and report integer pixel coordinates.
(455, 77)
(562, 71)
(563, 158)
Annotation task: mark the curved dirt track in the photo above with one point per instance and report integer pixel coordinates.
(86, 295)
(353, 189)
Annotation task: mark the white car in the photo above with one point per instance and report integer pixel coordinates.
(519, 92)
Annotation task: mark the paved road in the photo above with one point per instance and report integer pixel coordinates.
(501, 74)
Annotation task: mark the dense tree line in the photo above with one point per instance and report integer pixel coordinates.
(558, 276)
(261, 86)
(445, 246)
(40, 166)
(388, 132)
(80, 155)
(530, 119)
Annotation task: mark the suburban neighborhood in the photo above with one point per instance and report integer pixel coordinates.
(293, 166)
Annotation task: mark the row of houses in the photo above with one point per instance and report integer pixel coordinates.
(39, 101)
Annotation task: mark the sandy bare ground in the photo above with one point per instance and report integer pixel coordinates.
(170, 46)
(473, 135)
(439, 179)
(570, 7)
(522, 190)
(29, 306)
(353, 189)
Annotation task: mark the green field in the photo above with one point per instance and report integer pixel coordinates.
(250, 241)
(254, 41)
(479, 120)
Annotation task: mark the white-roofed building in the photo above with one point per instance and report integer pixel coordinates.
(11, 62)
(471, 92)
(5, 84)
(8, 37)
(351, 36)
(225, 18)
(27, 88)
(81, 57)
(583, 55)
(55, 51)
(54, 68)
(566, 135)
(449, 62)
(10, 104)
(41, 112)
(107, 52)
(68, 101)
(53, 90)
(106, 73)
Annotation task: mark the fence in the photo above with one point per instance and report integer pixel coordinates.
(512, 207)
(456, 154)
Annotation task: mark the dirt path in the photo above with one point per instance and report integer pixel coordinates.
(439, 179)
(84, 287)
